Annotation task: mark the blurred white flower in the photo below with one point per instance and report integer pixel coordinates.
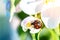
(14, 9)
(15, 22)
(31, 23)
(17, 8)
(29, 6)
(50, 14)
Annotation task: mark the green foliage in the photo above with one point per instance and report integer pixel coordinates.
(45, 34)
(16, 2)
(22, 15)
(24, 35)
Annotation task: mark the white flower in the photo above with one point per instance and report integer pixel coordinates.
(15, 22)
(31, 23)
(17, 9)
(29, 6)
(50, 11)
(14, 10)
(50, 14)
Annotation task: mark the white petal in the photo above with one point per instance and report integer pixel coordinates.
(24, 22)
(29, 6)
(50, 22)
(51, 15)
(39, 6)
(15, 23)
(17, 9)
(24, 26)
(33, 30)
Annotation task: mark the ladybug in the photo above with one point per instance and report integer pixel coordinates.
(37, 24)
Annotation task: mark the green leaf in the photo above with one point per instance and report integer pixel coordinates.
(24, 35)
(22, 15)
(16, 2)
(45, 34)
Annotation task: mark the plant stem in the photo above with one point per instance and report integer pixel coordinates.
(39, 34)
(33, 36)
(57, 30)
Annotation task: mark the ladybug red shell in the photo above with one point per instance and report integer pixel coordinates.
(37, 24)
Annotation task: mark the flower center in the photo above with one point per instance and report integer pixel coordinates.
(37, 24)
(28, 24)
